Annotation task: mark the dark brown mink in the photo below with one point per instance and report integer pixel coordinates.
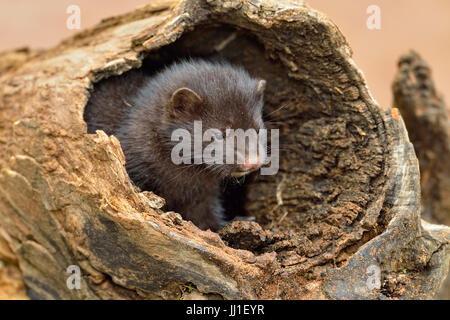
(142, 111)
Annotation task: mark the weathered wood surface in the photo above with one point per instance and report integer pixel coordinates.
(427, 120)
(428, 123)
(347, 196)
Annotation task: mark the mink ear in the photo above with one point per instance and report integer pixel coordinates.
(261, 86)
(184, 99)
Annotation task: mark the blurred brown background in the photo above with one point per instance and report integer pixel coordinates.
(405, 24)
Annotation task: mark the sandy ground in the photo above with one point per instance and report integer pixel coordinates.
(405, 24)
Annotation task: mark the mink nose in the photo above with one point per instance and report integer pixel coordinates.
(251, 164)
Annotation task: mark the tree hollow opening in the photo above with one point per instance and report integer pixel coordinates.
(331, 161)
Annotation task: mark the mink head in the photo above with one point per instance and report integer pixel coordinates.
(222, 102)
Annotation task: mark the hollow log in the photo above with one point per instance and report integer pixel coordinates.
(340, 220)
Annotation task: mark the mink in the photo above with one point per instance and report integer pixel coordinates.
(143, 110)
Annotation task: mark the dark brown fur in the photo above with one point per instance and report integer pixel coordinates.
(141, 111)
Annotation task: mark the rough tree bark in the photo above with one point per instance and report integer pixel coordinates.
(427, 120)
(345, 203)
